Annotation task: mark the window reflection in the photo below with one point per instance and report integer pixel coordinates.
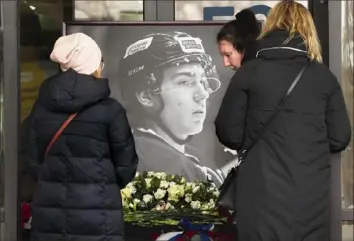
(193, 10)
(109, 10)
(41, 25)
(347, 86)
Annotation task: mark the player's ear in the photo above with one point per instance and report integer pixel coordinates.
(145, 98)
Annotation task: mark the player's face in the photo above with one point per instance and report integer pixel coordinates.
(184, 94)
(232, 58)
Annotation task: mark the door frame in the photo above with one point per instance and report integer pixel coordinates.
(11, 118)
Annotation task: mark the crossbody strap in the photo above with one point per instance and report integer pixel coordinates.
(58, 133)
(242, 154)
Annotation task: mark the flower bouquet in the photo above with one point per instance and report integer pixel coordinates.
(155, 198)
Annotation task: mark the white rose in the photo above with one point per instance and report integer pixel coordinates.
(131, 187)
(148, 182)
(205, 206)
(147, 198)
(195, 204)
(175, 192)
(196, 189)
(160, 175)
(211, 204)
(188, 198)
(188, 186)
(211, 189)
(164, 184)
(183, 180)
(159, 194)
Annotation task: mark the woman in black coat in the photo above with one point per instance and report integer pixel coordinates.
(77, 196)
(237, 44)
(283, 184)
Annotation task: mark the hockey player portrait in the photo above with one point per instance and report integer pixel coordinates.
(165, 81)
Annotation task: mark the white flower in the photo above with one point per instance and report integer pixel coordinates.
(216, 193)
(150, 174)
(172, 184)
(188, 198)
(188, 186)
(211, 189)
(147, 198)
(164, 184)
(204, 206)
(195, 204)
(126, 193)
(148, 182)
(160, 175)
(183, 180)
(159, 194)
(131, 187)
(195, 189)
(136, 200)
(175, 192)
(137, 174)
(211, 204)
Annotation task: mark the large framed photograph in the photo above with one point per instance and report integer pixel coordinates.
(170, 78)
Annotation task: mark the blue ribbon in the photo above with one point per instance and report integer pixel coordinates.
(201, 229)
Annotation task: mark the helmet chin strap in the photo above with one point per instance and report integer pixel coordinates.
(159, 122)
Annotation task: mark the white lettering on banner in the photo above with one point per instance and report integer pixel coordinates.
(191, 45)
(138, 46)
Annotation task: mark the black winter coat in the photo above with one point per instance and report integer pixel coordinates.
(77, 196)
(283, 184)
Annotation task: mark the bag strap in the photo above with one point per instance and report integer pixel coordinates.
(281, 104)
(58, 133)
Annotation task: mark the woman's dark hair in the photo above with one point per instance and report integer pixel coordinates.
(241, 31)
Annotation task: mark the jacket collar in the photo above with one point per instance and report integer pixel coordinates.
(275, 46)
(281, 48)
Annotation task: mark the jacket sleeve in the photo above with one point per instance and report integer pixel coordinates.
(29, 148)
(337, 120)
(230, 121)
(122, 146)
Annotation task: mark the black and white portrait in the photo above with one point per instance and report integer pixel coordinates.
(170, 79)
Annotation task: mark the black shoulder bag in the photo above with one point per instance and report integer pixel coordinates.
(228, 190)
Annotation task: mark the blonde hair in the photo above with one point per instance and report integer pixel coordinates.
(98, 72)
(296, 19)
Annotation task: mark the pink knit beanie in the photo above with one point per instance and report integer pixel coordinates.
(77, 51)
